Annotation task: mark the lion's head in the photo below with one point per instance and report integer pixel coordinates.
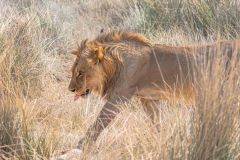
(87, 70)
(98, 62)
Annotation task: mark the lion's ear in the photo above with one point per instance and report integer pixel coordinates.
(98, 55)
(99, 51)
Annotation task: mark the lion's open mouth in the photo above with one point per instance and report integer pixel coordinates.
(85, 93)
(77, 95)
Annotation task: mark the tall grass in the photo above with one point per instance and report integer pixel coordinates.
(216, 119)
(22, 69)
(38, 118)
(205, 17)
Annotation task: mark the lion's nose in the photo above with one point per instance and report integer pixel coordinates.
(71, 89)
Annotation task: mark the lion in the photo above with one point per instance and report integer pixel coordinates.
(122, 65)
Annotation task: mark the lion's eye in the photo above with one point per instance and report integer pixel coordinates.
(80, 74)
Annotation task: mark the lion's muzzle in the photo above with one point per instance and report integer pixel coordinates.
(84, 94)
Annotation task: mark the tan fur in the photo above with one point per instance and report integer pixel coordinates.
(120, 65)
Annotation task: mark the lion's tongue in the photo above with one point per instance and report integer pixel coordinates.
(76, 97)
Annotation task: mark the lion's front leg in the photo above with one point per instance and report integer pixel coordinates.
(106, 115)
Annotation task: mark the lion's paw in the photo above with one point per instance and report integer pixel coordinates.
(73, 154)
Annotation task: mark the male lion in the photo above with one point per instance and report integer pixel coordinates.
(120, 65)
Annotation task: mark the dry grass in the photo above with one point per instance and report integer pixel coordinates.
(38, 118)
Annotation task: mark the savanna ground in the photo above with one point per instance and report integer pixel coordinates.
(38, 117)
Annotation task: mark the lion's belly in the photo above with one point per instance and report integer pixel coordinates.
(155, 92)
(148, 94)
